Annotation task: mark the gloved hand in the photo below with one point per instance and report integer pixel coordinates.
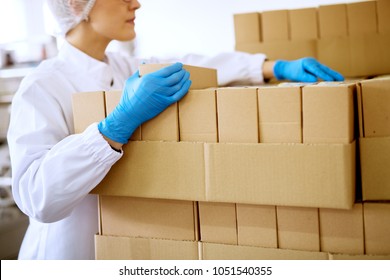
(143, 98)
(304, 70)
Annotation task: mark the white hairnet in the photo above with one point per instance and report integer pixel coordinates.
(69, 13)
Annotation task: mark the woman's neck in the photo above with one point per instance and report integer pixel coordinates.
(86, 40)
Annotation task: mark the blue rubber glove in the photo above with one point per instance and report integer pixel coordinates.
(143, 98)
(305, 70)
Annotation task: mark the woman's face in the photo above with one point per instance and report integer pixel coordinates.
(114, 19)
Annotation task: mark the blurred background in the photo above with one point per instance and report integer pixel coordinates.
(166, 28)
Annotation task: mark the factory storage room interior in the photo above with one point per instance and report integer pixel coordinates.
(250, 131)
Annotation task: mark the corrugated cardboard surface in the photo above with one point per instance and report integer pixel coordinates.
(374, 165)
(375, 96)
(328, 113)
(362, 18)
(298, 228)
(237, 115)
(129, 248)
(247, 27)
(341, 231)
(315, 175)
(354, 56)
(280, 114)
(163, 127)
(218, 222)
(353, 38)
(274, 26)
(152, 169)
(303, 24)
(332, 21)
(140, 217)
(88, 107)
(198, 116)
(374, 142)
(383, 9)
(288, 50)
(377, 228)
(256, 225)
(358, 257)
(212, 251)
(200, 77)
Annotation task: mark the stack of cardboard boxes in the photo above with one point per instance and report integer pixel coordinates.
(240, 173)
(352, 38)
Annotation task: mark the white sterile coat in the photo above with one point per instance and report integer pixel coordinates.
(53, 169)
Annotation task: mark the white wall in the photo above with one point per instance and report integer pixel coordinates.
(176, 27)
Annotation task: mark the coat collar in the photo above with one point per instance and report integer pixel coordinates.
(81, 64)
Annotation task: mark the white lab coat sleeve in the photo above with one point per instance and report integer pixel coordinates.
(52, 169)
(233, 68)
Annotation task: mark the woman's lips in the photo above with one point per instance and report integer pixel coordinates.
(131, 21)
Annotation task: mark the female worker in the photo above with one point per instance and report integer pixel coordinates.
(54, 169)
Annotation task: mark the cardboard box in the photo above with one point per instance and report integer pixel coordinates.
(341, 231)
(288, 50)
(332, 21)
(237, 115)
(374, 142)
(236, 173)
(362, 18)
(153, 169)
(377, 228)
(198, 116)
(298, 228)
(354, 56)
(218, 222)
(374, 163)
(247, 28)
(131, 248)
(143, 217)
(256, 225)
(280, 114)
(303, 24)
(212, 251)
(200, 77)
(163, 127)
(374, 96)
(383, 10)
(328, 113)
(281, 174)
(112, 99)
(88, 107)
(274, 25)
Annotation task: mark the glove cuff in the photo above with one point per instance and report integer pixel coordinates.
(110, 132)
(279, 69)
